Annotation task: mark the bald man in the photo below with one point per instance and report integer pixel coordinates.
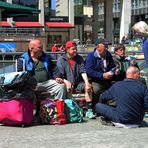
(131, 97)
(43, 69)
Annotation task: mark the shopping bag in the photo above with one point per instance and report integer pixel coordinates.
(52, 112)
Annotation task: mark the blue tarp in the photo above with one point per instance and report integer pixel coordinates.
(7, 46)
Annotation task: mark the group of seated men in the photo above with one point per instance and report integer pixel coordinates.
(97, 77)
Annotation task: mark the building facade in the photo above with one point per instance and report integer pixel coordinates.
(85, 20)
(138, 10)
(49, 25)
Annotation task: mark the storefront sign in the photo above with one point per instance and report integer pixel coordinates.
(58, 19)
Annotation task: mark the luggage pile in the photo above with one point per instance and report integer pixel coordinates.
(16, 103)
(60, 112)
(16, 98)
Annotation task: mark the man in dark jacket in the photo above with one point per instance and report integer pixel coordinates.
(100, 69)
(43, 69)
(131, 97)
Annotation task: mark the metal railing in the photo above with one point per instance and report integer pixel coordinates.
(20, 31)
(8, 58)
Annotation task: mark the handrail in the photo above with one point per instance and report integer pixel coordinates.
(56, 53)
(7, 61)
(8, 58)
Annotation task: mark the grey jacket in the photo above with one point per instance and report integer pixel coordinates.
(74, 76)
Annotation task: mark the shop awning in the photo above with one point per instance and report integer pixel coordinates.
(8, 9)
(21, 24)
(4, 23)
(28, 24)
(59, 25)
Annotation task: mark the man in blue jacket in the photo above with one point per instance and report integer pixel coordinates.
(43, 69)
(131, 97)
(100, 69)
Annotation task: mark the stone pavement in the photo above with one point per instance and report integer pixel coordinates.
(90, 134)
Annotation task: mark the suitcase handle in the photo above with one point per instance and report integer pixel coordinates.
(16, 61)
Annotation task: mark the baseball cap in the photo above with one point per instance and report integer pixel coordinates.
(101, 41)
(70, 44)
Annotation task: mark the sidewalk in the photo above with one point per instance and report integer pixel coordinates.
(90, 134)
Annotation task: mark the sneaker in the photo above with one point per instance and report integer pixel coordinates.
(120, 125)
(105, 121)
(89, 114)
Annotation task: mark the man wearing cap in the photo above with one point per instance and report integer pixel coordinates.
(100, 69)
(72, 69)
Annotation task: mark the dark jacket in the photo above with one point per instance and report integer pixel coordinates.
(94, 66)
(66, 71)
(49, 65)
(122, 64)
(131, 97)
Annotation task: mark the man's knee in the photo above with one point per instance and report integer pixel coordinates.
(62, 87)
(98, 107)
(96, 88)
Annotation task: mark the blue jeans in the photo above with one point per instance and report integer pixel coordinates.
(107, 111)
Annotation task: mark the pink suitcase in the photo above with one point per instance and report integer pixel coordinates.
(16, 112)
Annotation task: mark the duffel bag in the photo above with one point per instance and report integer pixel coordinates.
(73, 111)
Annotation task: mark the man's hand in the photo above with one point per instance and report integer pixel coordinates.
(59, 80)
(36, 89)
(133, 62)
(107, 75)
(69, 86)
(117, 72)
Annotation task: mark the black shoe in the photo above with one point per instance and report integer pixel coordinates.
(36, 120)
(105, 121)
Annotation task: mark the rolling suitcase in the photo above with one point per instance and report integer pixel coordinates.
(17, 111)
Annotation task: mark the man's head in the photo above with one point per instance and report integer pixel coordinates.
(119, 50)
(133, 73)
(35, 47)
(71, 48)
(101, 46)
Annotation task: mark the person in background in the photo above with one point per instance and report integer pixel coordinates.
(73, 71)
(141, 29)
(54, 48)
(131, 97)
(62, 48)
(100, 69)
(123, 40)
(43, 69)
